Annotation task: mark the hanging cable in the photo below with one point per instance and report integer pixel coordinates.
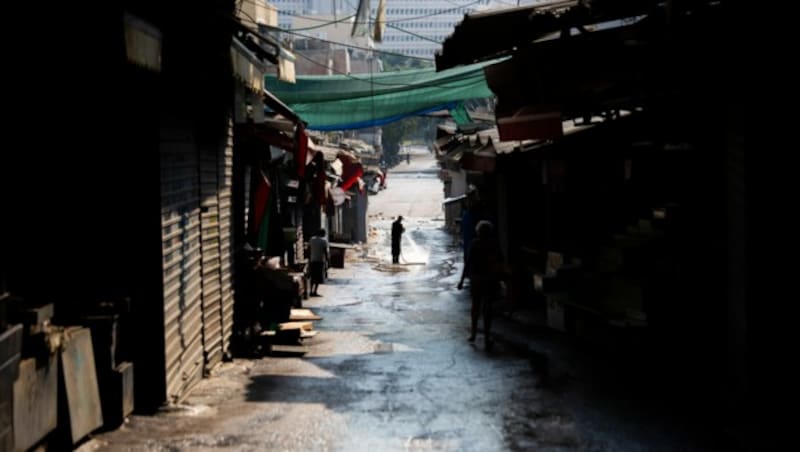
(352, 46)
(406, 19)
(425, 38)
(363, 80)
(314, 27)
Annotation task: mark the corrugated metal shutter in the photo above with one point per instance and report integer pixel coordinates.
(226, 236)
(210, 233)
(182, 260)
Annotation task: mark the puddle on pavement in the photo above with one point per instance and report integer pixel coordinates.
(189, 410)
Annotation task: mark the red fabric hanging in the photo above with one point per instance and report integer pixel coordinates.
(351, 170)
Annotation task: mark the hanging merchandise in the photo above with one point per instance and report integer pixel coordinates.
(352, 169)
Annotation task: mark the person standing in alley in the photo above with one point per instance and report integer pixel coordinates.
(397, 233)
(319, 256)
(484, 268)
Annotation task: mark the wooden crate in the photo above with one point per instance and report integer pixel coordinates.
(35, 401)
(83, 413)
(10, 349)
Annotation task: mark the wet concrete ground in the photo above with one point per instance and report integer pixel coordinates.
(391, 368)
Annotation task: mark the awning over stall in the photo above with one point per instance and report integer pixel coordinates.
(246, 66)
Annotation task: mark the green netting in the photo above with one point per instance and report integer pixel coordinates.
(460, 114)
(338, 102)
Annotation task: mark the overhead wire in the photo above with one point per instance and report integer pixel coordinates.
(425, 38)
(389, 23)
(438, 13)
(252, 21)
(405, 19)
(363, 80)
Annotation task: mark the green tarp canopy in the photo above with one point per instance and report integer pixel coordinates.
(340, 102)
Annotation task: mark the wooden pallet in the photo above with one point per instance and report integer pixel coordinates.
(303, 314)
(307, 326)
(277, 348)
(305, 329)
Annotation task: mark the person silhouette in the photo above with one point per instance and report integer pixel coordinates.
(397, 232)
(484, 268)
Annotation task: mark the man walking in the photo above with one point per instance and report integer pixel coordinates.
(485, 268)
(397, 232)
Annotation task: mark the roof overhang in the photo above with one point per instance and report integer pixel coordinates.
(549, 82)
(265, 134)
(513, 29)
(485, 35)
(246, 66)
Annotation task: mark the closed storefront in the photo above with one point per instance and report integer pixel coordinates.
(211, 238)
(182, 259)
(225, 194)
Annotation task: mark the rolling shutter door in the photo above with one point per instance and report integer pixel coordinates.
(210, 233)
(226, 237)
(182, 261)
